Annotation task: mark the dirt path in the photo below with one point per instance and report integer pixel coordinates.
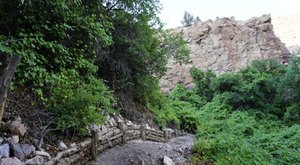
(139, 152)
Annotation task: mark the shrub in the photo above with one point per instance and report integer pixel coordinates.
(252, 116)
(292, 114)
(229, 149)
(185, 112)
(203, 82)
(228, 82)
(78, 104)
(188, 95)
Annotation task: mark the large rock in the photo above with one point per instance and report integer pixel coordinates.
(17, 151)
(4, 150)
(38, 160)
(28, 149)
(1, 140)
(167, 161)
(43, 154)
(15, 139)
(62, 145)
(17, 128)
(225, 45)
(11, 161)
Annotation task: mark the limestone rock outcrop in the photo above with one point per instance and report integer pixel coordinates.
(225, 45)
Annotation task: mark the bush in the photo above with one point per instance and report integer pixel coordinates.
(203, 81)
(252, 116)
(79, 104)
(185, 112)
(228, 82)
(292, 114)
(229, 149)
(158, 104)
(281, 142)
(182, 94)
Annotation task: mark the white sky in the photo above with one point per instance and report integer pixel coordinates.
(173, 10)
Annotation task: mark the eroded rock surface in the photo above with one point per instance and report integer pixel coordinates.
(226, 45)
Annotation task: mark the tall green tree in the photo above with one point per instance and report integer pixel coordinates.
(137, 58)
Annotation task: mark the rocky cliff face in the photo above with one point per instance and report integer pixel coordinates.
(225, 45)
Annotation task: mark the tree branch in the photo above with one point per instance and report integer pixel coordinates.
(6, 78)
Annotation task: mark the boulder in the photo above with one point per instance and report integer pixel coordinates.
(28, 149)
(129, 123)
(17, 128)
(43, 154)
(167, 161)
(4, 150)
(62, 145)
(11, 161)
(17, 151)
(72, 145)
(111, 122)
(1, 140)
(38, 160)
(119, 119)
(15, 139)
(104, 129)
(147, 126)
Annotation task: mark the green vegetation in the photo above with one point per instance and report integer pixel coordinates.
(250, 117)
(76, 54)
(189, 20)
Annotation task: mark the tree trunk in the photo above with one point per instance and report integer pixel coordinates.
(5, 80)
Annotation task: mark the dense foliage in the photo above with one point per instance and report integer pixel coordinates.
(250, 117)
(74, 50)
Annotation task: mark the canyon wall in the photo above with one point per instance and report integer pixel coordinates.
(225, 45)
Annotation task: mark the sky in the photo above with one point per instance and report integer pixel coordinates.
(173, 10)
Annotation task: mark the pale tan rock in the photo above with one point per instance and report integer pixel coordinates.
(225, 45)
(17, 128)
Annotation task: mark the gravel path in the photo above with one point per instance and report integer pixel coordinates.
(138, 152)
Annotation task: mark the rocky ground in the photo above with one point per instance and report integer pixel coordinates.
(139, 152)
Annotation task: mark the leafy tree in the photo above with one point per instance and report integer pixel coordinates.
(288, 91)
(174, 45)
(52, 37)
(140, 50)
(90, 102)
(121, 41)
(52, 41)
